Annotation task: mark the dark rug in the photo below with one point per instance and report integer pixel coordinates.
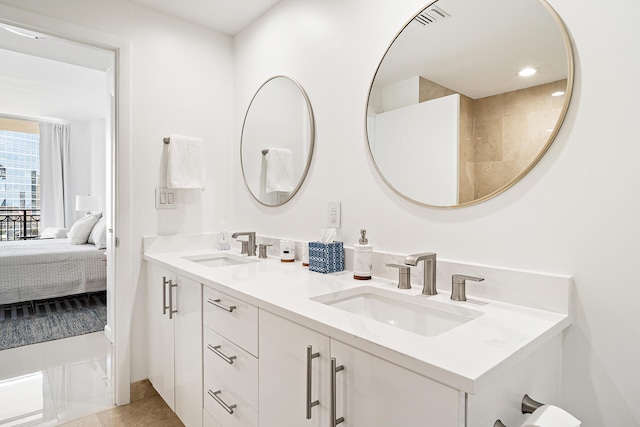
(52, 320)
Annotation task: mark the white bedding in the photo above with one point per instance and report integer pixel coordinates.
(37, 269)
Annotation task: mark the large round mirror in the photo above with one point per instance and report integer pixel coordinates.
(277, 141)
(468, 98)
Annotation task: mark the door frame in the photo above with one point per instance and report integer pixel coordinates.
(124, 293)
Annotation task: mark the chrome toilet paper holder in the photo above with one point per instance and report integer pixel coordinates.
(527, 407)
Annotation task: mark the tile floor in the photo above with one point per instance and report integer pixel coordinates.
(68, 383)
(52, 382)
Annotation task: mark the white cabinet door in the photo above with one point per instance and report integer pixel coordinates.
(283, 374)
(372, 392)
(160, 333)
(188, 351)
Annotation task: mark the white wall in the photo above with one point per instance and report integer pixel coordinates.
(401, 94)
(181, 82)
(417, 146)
(576, 212)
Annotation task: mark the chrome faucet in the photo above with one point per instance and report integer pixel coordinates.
(429, 259)
(251, 244)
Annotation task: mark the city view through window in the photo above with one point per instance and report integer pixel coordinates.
(19, 185)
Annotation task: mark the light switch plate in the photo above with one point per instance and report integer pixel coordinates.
(333, 215)
(166, 198)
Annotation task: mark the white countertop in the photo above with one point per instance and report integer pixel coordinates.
(468, 358)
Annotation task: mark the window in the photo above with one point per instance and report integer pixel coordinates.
(19, 166)
(19, 179)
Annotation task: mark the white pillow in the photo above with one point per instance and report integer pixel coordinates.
(54, 233)
(80, 231)
(99, 234)
(92, 235)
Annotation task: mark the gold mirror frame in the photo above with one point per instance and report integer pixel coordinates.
(311, 136)
(568, 93)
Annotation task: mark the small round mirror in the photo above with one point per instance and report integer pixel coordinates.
(277, 141)
(468, 98)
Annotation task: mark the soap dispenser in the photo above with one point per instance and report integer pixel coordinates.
(362, 257)
(223, 240)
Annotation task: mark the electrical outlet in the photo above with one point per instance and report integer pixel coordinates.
(333, 215)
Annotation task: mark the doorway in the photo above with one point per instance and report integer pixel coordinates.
(96, 140)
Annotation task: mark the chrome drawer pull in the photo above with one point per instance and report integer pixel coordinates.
(334, 369)
(171, 310)
(226, 407)
(164, 294)
(310, 356)
(228, 359)
(216, 302)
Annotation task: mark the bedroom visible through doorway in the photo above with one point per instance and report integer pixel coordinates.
(55, 217)
(69, 89)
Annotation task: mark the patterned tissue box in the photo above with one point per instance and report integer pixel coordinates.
(326, 257)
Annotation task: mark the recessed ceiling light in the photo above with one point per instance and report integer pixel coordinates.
(526, 72)
(558, 93)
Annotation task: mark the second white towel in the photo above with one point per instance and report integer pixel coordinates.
(279, 176)
(185, 165)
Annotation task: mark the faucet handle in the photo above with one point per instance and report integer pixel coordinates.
(404, 275)
(245, 247)
(458, 288)
(262, 249)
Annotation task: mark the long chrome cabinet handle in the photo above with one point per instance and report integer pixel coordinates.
(164, 294)
(310, 356)
(228, 408)
(215, 349)
(334, 370)
(171, 310)
(216, 302)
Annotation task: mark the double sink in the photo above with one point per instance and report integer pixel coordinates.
(414, 313)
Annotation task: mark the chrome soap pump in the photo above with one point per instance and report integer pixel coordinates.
(362, 257)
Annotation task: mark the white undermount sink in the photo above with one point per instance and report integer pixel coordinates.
(413, 313)
(220, 260)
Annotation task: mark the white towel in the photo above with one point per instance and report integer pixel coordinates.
(279, 170)
(185, 165)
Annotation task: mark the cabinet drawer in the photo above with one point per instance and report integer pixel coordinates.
(232, 318)
(243, 414)
(207, 419)
(239, 371)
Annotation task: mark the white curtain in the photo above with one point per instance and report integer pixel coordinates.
(56, 201)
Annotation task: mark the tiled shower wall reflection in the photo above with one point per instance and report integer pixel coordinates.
(500, 135)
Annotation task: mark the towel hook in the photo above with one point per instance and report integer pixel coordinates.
(166, 140)
(265, 151)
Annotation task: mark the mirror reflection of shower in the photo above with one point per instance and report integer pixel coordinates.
(464, 127)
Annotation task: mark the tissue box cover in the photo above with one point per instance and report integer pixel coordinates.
(326, 257)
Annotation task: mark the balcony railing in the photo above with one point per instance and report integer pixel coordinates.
(19, 224)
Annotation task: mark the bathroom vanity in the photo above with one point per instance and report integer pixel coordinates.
(238, 341)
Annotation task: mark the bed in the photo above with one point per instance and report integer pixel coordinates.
(49, 268)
